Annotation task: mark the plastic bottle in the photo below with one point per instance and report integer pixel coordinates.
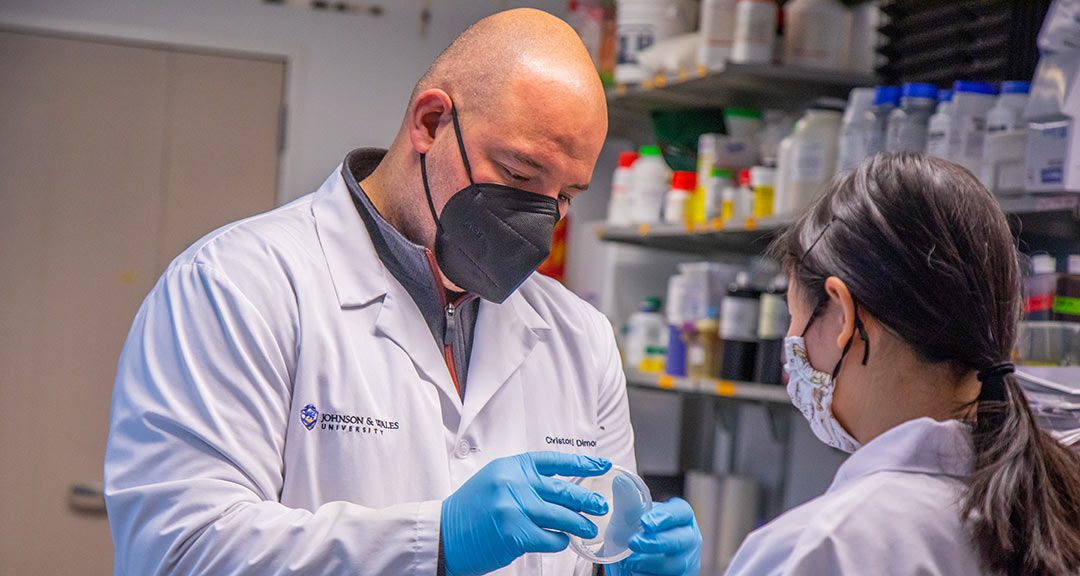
(777, 126)
(967, 132)
(763, 179)
(886, 99)
(772, 327)
(1067, 294)
(1008, 111)
(907, 125)
(646, 338)
(744, 202)
(674, 314)
(641, 23)
(717, 33)
(816, 33)
(755, 31)
(809, 160)
(703, 347)
(738, 330)
(621, 182)
(937, 129)
(718, 180)
(856, 129)
(678, 197)
(650, 185)
(1039, 288)
(866, 19)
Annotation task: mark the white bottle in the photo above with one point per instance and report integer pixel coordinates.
(856, 130)
(621, 182)
(886, 99)
(810, 162)
(937, 130)
(677, 201)
(1008, 112)
(908, 124)
(866, 18)
(755, 32)
(717, 33)
(650, 184)
(646, 331)
(638, 25)
(816, 33)
(714, 193)
(967, 122)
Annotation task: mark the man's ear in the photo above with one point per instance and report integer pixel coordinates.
(429, 113)
(838, 293)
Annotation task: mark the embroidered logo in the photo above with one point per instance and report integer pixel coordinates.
(309, 415)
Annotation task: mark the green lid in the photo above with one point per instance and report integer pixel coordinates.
(720, 173)
(653, 303)
(742, 113)
(649, 151)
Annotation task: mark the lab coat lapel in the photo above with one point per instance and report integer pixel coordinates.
(360, 278)
(504, 336)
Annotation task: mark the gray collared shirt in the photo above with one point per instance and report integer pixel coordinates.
(408, 263)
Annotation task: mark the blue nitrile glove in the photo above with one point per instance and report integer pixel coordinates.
(512, 506)
(670, 543)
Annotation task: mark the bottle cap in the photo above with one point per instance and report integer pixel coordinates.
(627, 159)
(887, 95)
(650, 304)
(721, 173)
(649, 151)
(944, 95)
(763, 176)
(742, 113)
(974, 88)
(1015, 87)
(684, 180)
(919, 90)
(744, 178)
(1044, 264)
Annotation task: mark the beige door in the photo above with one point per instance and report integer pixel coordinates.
(113, 158)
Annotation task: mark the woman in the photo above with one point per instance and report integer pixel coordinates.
(905, 296)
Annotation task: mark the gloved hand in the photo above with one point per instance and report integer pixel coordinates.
(669, 545)
(512, 506)
(625, 521)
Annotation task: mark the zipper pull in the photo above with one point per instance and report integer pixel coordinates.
(451, 325)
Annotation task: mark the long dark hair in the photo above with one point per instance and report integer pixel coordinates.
(926, 250)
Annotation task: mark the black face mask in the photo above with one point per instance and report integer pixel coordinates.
(490, 237)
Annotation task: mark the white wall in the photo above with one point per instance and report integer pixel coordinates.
(349, 76)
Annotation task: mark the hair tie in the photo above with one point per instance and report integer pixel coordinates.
(993, 381)
(996, 372)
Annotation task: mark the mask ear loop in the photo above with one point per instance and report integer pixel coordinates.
(862, 335)
(460, 142)
(464, 158)
(427, 192)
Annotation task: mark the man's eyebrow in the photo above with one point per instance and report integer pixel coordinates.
(527, 160)
(581, 187)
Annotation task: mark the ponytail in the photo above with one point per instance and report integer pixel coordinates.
(1023, 498)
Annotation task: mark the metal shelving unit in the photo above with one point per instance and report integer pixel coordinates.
(724, 389)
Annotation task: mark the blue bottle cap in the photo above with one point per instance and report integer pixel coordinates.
(974, 88)
(887, 95)
(944, 95)
(919, 90)
(1015, 87)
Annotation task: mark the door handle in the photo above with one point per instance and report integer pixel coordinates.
(87, 498)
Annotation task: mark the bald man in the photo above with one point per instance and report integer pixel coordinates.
(372, 379)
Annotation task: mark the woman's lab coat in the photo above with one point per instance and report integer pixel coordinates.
(282, 407)
(893, 508)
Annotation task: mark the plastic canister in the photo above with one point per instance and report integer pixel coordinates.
(738, 330)
(1008, 112)
(866, 19)
(755, 31)
(1067, 295)
(816, 33)
(718, 180)
(967, 133)
(772, 327)
(744, 202)
(647, 338)
(856, 129)
(886, 99)
(638, 25)
(703, 347)
(763, 180)
(621, 181)
(674, 314)
(937, 129)
(743, 124)
(678, 197)
(1039, 288)
(650, 185)
(907, 125)
(717, 33)
(810, 161)
(706, 161)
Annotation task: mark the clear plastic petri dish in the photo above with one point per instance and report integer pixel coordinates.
(628, 499)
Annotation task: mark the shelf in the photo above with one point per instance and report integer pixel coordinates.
(1051, 215)
(746, 85)
(749, 237)
(740, 391)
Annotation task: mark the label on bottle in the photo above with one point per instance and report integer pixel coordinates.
(1067, 305)
(809, 162)
(937, 143)
(1038, 303)
(739, 318)
(695, 355)
(774, 317)
(763, 201)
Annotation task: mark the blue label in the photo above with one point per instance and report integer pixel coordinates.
(1052, 175)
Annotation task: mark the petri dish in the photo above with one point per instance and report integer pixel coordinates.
(628, 499)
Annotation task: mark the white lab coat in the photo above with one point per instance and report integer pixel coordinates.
(210, 467)
(893, 508)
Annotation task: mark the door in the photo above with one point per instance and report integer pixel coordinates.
(113, 158)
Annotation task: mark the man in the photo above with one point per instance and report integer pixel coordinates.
(371, 379)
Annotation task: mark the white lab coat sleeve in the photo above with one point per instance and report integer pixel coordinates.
(790, 554)
(616, 436)
(194, 464)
